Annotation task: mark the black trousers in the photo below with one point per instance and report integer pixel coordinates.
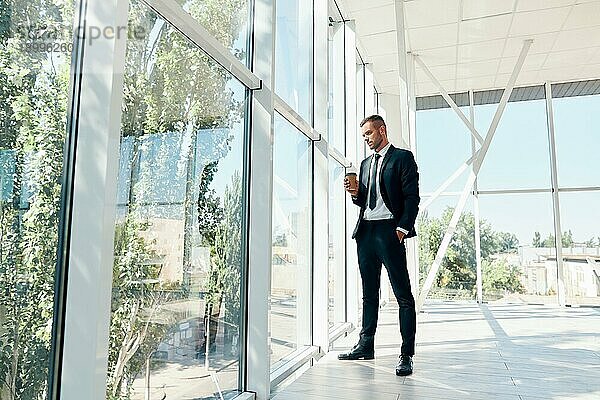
(378, 243)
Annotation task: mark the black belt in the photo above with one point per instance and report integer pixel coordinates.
(380, 221)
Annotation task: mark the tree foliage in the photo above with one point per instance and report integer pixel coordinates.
(170, 86)
(33, 89)
(459, 267)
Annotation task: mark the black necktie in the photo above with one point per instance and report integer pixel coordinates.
(373, 182)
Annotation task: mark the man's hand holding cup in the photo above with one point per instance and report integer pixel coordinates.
(351, 183)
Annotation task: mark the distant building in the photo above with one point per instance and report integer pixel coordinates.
(581, 267)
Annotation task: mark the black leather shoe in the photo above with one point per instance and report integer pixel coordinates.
(364, 350)
(405, 366)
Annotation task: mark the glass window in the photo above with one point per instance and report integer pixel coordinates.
(519, 254)
(580, 214)
(226, 20)
(336, 112)
(337, 243)
(457, 276)
(293, 55)
(576, 121)
(292, 211)
(35, 58)
(438, 131)
(519, 156)
(178, 237)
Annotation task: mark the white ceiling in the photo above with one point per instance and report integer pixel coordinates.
(474, 44)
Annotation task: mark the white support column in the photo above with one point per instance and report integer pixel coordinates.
(320, 323)
(403, 76)
(476, 211)
(391, 105)
(412, 245)
(97, 122)
(562, 289)
(257, 368)
(352, 154)
(360, 91)
(473, 175)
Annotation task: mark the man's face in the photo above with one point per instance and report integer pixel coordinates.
(374, 134)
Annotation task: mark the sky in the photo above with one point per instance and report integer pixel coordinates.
(519, 158)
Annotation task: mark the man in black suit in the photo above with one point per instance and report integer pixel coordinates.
(388, 197)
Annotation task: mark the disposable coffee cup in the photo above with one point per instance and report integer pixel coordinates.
(352, 179)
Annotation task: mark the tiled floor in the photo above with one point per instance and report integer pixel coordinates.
(467, 351)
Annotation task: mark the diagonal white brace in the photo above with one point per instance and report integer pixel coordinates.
(447, 182)
(449, 100)
(441, 253)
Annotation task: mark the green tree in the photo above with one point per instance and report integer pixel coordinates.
(458, 269)
(34, 91)
(172, 91)
(537, 240)
(507, 242)
(550, 241)
(499, 276)
(567, 239)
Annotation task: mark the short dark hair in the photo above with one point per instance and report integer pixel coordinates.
(372, 118)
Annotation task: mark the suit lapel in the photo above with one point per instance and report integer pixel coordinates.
(387, 157)
(365, 171)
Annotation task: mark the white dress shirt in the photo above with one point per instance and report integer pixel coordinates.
(380, 211)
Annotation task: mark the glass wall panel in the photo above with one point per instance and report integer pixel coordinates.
(175, 323)
(35, 58)
(337, 243)
(576, 122)
(443, 145)
(518, 249)
(519, 156)
(290, 273)
(336, 104)
(456, 278)
(293, 55)
(226, 20)
(580, 213)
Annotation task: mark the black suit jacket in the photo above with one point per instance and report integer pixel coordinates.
(399, 185)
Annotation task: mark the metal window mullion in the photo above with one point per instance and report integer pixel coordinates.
(91, 252)
(561, 292)
(191, 28)
(476, 211)
(260, 204)
(579, 189)
(514, 191)
(352, 153)
(320, 237)
(65, 213)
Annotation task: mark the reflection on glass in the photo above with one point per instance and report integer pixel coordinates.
(581, 246)
(519, 156)
(437, 131)
(293, 54)
(226, 20)
(175, 323)
(519, 256)
(337, 248)
(457, 276)
(576, 121)
(290, 271)
(35, 58)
